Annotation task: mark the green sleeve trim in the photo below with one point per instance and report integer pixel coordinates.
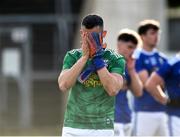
(70, 59)
(65, 67)
(117, 70)
(118, 66)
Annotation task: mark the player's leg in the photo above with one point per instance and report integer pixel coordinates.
(163, 125)
(118, 129)
(174, 125)
(128, 129)
(146, 124)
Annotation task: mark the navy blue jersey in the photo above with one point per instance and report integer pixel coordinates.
(122, 110)
(170, 72)
(149, 61)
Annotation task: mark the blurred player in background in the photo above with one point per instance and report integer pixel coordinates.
(150, 118)
(169, 76)
(93, 81)
(127, 42)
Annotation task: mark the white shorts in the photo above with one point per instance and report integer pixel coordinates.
(71, 132)
(151, 124)
(174, 125)
(121, 129)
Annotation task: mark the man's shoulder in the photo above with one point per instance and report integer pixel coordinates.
(75, 53)
(162, 55)
(137, 53)
(174, 60)
(112, 54)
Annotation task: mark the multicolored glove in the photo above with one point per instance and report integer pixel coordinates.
(96, 45)
(86, 73)
(96, 64)
(97, 60)
(96, 52)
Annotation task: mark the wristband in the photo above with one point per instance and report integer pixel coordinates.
(99, 63)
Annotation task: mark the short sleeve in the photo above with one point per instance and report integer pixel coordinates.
(139, 65)
(69, 60)
(164, 70)
(118, 66)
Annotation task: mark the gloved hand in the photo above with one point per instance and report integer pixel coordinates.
(96, 44)
(86, 73)
(98, 62)
(96, 53)
(96, 50)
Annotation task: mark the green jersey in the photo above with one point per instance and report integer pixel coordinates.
(89, 105)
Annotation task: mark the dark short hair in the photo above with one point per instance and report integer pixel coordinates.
(91, 21)
(128, 35)
(146, 25)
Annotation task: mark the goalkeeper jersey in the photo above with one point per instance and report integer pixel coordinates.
(89, 106)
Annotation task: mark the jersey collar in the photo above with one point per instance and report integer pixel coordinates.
(149, 52)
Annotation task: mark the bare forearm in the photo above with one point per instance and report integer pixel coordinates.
(143, 75)
(136, 84)
(68, 78)
(110, 82)
(157, 92)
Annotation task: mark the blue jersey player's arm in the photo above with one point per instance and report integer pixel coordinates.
(133, 81)
(140, 67)
(156, 81)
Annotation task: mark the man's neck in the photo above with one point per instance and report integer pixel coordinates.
(147, 48)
